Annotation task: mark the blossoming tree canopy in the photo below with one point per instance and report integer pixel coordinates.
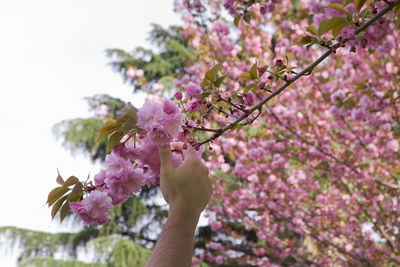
(309, 168)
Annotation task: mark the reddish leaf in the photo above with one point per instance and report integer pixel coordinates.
(59, 179)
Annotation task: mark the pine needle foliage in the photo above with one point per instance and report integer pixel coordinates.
(171, 54)
(42, 244)
(79, 135)
(50, 262)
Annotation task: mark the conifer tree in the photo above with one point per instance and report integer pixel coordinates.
(134, 225)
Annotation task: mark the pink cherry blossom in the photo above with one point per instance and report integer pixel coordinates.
(392, 146)
(193, 90)
(193, 105)
(149, 115)
(100, 177)
(98, 204)
(116, 165)
(169, 106)
(172, 123)
(159, 136)
(248, 99)
(337, 96)
(93, 208)
(133, 182)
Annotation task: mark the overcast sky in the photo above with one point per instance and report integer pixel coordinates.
(51, 57)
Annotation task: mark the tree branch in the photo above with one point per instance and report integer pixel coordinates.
(304, 72)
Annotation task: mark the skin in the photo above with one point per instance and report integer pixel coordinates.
(187, 189)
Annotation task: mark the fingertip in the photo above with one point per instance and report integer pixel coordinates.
(165, 154)
(177, 146)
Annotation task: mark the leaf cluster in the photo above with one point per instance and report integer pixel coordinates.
(59, 199)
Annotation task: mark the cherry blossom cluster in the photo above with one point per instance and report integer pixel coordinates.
(130, 167)
(298, 181)
(315, 179)
(235, 7)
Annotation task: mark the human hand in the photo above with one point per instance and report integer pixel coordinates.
(188, 186)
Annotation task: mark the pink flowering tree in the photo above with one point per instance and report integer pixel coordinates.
(295, 105)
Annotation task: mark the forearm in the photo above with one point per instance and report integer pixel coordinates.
(175, 245)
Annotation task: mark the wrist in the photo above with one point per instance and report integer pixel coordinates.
(183, 215)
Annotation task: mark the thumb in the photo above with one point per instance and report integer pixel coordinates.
(165, 154)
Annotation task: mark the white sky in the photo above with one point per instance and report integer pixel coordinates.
(51, 57)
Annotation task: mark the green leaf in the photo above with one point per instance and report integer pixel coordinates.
(57, 206)
(219, 81)
(77, 187)
(129, 126)
(64, 211)
(108, 127)
(246, 17)
(303, 40)
(311, 29)
(76, 193)
(71, 181)
(212, 73)
(75, 196)
(245, 76)
(396, 9)
(236, 21)
(253, 71)
(347, 2)
(397, 23)
(218, 67)
(296, 4)
(329, 24)
(132, 114)
(338, 7)
(205, 82)
(205, 94)
(114, 140)
(349, 18)
(364, 13)
(249, 87)
(358, 4)
(336, 30)
(253, 14)
(55, 194)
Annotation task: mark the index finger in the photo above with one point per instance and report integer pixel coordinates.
(165, 154)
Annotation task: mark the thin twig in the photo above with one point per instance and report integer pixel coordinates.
(203, 129)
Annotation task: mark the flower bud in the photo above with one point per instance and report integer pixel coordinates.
(178, 95)
(261, 70)
(279, 62)
(261, 85)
